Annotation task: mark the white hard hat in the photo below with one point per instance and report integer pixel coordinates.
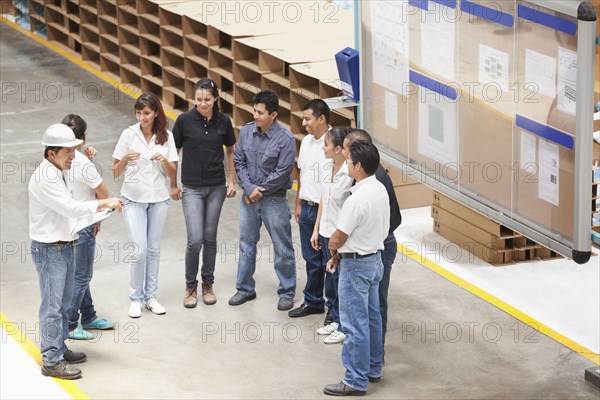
(60, 135)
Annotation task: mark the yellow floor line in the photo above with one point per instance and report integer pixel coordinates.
(30, 348)
(415, 256)
(521, 316)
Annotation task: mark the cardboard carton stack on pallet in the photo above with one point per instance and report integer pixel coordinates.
(486, 239)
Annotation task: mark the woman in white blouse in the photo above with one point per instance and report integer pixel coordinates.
(335, 189)
(146, 153)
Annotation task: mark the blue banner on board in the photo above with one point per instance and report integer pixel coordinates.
(551, 21)
(433, 85)
(545, 131)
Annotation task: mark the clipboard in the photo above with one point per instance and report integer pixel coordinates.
(83, 223)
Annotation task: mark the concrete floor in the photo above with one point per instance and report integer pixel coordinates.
(442, 341)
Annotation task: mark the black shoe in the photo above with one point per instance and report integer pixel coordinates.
(329, 317)
(61, 370)
(305, 310)
(373, 379)
(74, 357)
(241, 298)
(285, 303)
(341, 389)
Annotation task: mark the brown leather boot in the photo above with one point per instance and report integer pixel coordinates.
(190, 298)
(208, 296)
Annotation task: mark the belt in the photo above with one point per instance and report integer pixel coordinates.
(355, 255)
(280, 192)
(310, 203)
(61, 242)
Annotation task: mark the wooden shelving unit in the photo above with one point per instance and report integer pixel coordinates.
(37, 18)
(90, 34)
(172, 56)
(55, 15)
(166, 46)
(195, 53)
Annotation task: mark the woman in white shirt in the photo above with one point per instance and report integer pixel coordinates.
(146, 153)
(335, 189)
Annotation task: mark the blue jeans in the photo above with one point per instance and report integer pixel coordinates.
(274, 211)
(331, 283)
(362, 352)
(202, 210)
(387, 257)
(85, 251)
(55, 265)
(145, 222)
(315, 264)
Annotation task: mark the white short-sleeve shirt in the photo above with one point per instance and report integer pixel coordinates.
(145, 180)
(334, 192)
(83, 178)
(365, 217)
(312, 164)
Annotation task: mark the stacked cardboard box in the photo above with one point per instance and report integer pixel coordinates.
(165, 46)
(487, 239)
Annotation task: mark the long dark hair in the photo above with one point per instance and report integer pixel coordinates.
(161, 123)
(211, 86)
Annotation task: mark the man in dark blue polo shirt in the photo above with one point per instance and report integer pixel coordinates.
(263, 160)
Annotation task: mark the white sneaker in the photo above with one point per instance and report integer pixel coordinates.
(154, 306)
(135, 309)
(328, 329)
(335, 337)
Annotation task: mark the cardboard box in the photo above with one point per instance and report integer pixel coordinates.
(412, 196)
(525, 249)
(171, 13)
(474, 218)
(194, 32)
(473, 231)
(545, 253)
(151, 84)
(491, 255)
(278, 58)
(502, 238)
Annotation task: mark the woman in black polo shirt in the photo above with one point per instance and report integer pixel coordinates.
(202, 132)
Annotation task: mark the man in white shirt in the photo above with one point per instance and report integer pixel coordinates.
(52, 218)
(356, 245)
(312, 164)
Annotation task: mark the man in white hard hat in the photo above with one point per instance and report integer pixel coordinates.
(52, 217)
